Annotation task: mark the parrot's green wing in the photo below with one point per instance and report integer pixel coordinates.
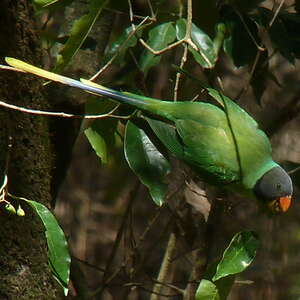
(210, 150)
(252, 145)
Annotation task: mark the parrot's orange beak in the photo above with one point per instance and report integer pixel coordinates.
(281, 204)
(284, 203)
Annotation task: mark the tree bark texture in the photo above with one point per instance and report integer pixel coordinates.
(24, 271)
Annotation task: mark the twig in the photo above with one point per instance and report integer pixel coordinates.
(132, 33)
(151, 9)
(152, 19)
(171, 286)
(159, 294)
(5, 67)
(276, 13)
(158, 52)
(62, 114)
(294, 170)
(88, 264)
(179, 75)
(187, 38)
(259, 47)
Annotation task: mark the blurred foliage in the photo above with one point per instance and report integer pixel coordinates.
(248, 49)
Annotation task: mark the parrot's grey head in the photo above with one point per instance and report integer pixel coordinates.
(275, 190)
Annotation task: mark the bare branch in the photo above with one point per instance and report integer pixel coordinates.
(62, 114)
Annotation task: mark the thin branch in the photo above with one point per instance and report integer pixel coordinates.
(5, 67)
(187, 38)
(151, 9)
(88, 264)
(169, 285)
(294, 170)
(152, 19)
(259, 47)
(189, 23)
(62, 114)
(153, 292)
(158, 52)
(132, 33)
(179, 75)
(276, 13)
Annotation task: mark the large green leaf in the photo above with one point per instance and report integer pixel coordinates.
(159, 37)
(207, 290)
(146, 162)
(238, 255)
(80, 30)
(58, 253)
(206, 55)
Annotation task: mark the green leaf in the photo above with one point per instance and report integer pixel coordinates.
(58, 253)
(44, 3)
(159, 38)
(207, 290)
(79, 32)
(206, 55)
(219, 37)
(122, 44)
(101, 133)
(238, 255)
(168, 135)
(224, 284)
(146, 162)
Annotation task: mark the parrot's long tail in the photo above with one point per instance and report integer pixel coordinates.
(141, 102)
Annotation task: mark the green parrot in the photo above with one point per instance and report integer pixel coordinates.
(221, 142)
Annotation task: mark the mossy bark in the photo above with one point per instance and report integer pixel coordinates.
(28, 163)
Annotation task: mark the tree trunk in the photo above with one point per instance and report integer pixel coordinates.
(28, 163)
